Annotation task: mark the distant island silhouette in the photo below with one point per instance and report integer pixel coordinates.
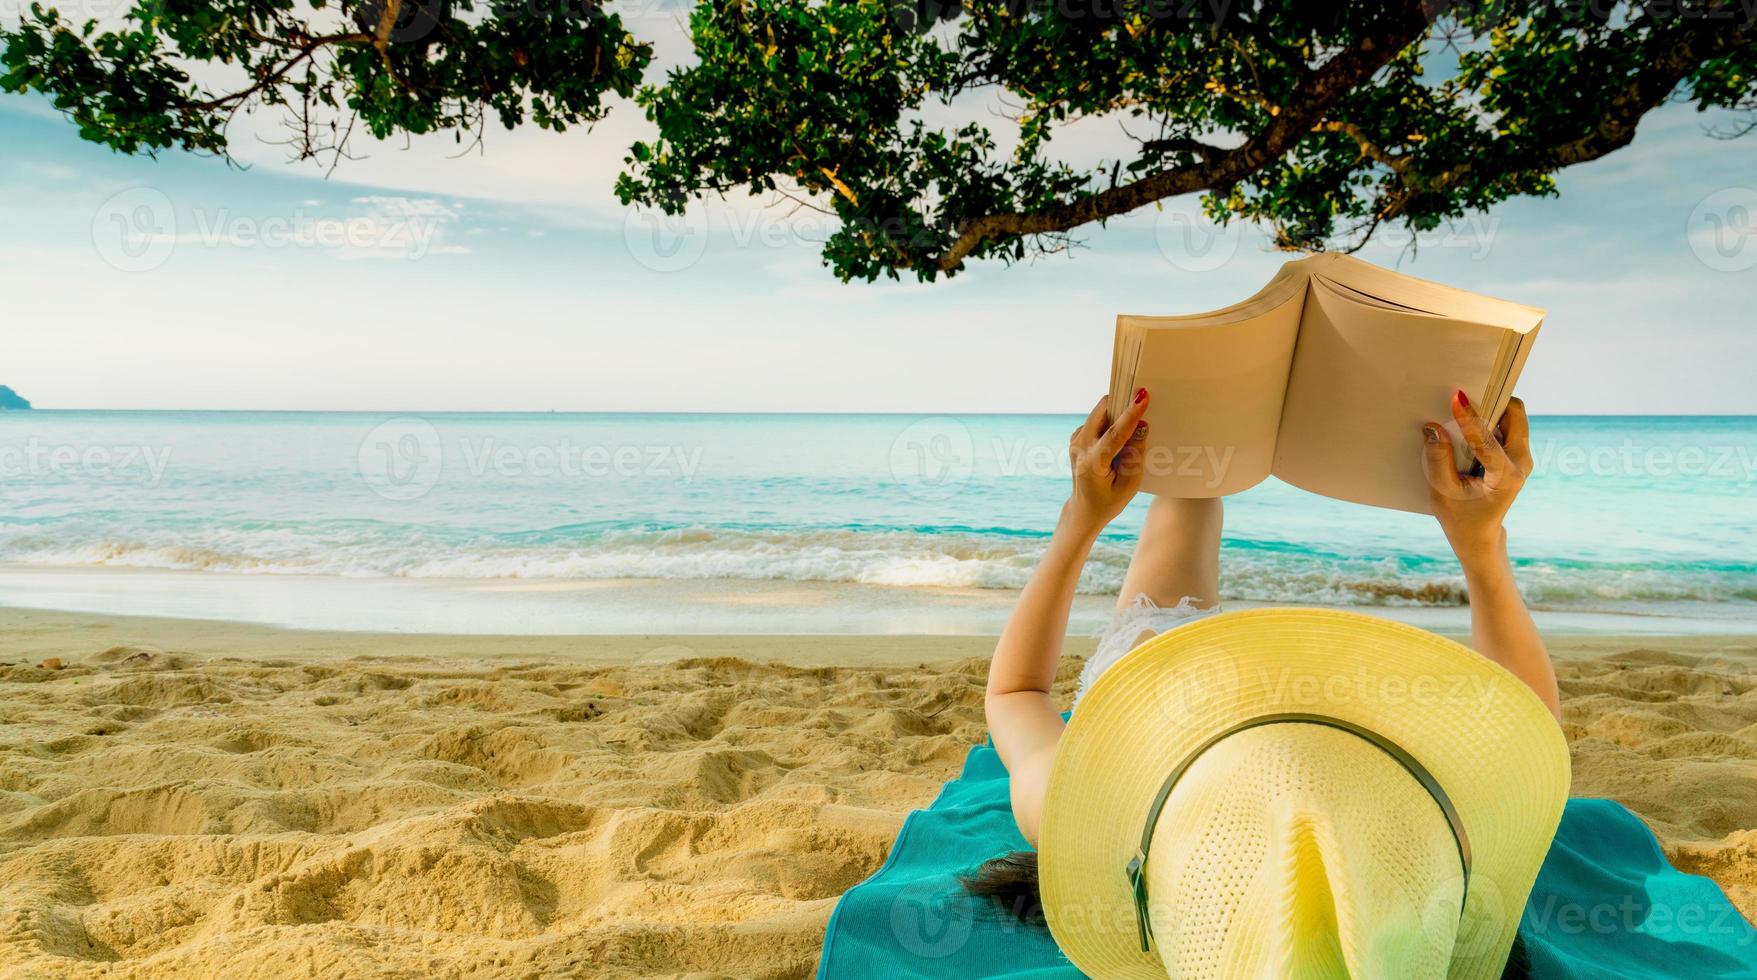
(10, 399)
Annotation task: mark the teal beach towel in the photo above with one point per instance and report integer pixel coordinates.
(1605, 905)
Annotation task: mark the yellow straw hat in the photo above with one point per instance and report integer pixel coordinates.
(1302, 793)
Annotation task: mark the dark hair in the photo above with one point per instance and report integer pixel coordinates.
(1010, 882)
(1518, 961)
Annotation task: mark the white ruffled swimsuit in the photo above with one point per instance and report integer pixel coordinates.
(1132, 625)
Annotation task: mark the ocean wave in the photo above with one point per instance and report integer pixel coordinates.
(896, 558)
(902, 558)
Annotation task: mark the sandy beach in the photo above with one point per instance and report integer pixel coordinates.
(203, 799)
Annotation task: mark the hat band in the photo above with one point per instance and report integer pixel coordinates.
(1137, 867)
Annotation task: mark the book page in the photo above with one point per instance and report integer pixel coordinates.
(1365, 376)
(1421, 295)
(1216, 393)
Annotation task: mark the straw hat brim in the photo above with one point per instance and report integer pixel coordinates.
(1486, 738)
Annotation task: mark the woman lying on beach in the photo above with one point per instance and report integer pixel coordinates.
(1277, 792)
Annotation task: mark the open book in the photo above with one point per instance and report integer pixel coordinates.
(1323, 379)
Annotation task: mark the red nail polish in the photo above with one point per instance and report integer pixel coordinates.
(1465, 402)
(1140, 395)
(1140, 427)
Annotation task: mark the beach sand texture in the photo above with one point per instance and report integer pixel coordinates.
(345, 805)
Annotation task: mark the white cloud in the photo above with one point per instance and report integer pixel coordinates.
(557, 311)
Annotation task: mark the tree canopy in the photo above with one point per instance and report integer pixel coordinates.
(1323, 121)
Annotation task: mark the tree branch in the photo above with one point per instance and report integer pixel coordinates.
(1317, 92)
(1207, 152)
(1659, 77)
(1368, 148)
(268, 79)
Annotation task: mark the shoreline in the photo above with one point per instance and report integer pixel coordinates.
(29, 635)
(694, 607)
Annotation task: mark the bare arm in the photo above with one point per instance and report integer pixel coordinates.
(1470, 509)
(1501, 626)
(1022, 717)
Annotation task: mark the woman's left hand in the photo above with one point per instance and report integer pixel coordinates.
(1107, 457)
(1470, 508)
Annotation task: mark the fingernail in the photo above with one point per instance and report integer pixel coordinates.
(1431, 432)
(1140, 395)
(1463, 401)
(1140, 428)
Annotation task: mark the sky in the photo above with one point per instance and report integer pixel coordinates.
(511, 280)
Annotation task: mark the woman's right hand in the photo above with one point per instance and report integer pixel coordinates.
(1107, 459)
(1470, 508)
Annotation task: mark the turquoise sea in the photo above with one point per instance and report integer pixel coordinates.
(1636, 516)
